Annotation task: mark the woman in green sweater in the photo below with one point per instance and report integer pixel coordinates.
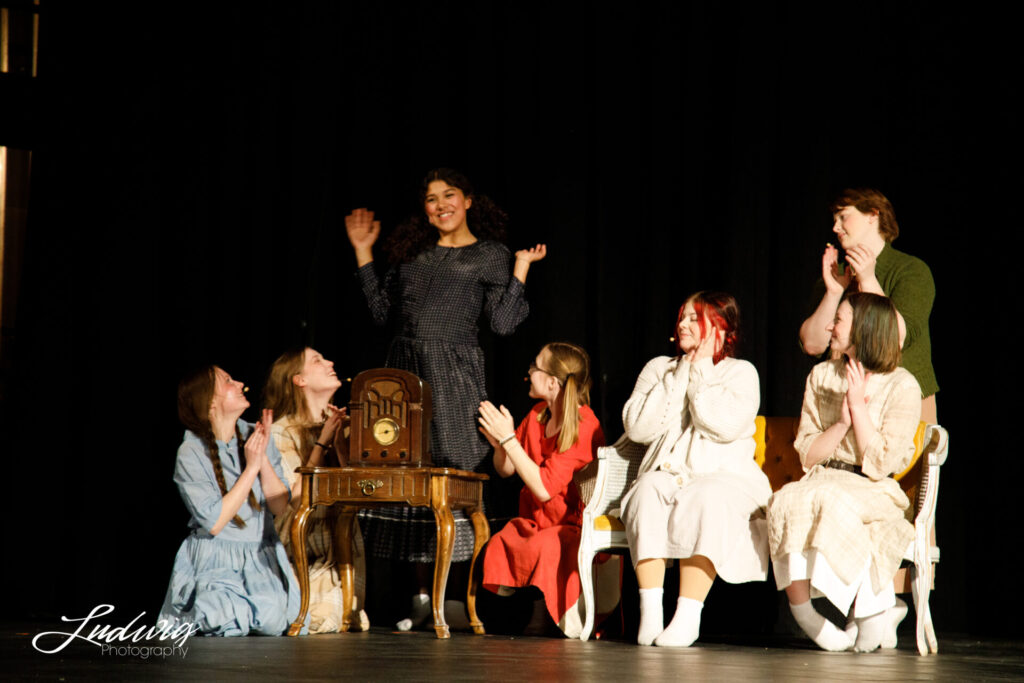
(866, 225)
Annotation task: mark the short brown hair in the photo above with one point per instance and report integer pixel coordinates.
(875, 332)
(867, 200)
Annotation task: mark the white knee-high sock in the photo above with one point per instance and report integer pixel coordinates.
(652, 617)
(819, 629)
(685, 626)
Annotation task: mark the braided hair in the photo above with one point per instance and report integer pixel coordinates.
(570, 365)
(195, 397)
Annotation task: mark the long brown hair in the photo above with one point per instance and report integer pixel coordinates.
(287, 399)
(570, 365)
(195, 397)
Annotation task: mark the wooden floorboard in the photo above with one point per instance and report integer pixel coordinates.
(382, 655)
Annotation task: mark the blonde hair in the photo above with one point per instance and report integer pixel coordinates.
(570, 365)
(287, 399)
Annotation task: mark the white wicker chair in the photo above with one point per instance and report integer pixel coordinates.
(602, 485)
(923, 551)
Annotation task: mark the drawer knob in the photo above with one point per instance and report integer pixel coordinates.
(368, 486)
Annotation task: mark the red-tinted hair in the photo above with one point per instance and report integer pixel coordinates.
(721, 309)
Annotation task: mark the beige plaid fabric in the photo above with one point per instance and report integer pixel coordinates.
(851, 519)
(325, 596)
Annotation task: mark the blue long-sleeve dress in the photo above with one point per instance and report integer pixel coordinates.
(437, 299)
(239, 581)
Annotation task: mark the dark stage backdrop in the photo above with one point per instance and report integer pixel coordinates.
(193, 167)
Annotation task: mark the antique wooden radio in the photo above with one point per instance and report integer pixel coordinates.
(389, 419)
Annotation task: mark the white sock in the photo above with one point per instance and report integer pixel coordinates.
(870, 631)
(894, 615)
(819, 629)
(421, 609)
(685, 626)
(652, 617)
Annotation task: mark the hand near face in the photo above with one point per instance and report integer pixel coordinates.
(862, 261)
(835, 282)
(497, 423)
(361, 228)
(709, 344)
(330, 428)
(533, 254)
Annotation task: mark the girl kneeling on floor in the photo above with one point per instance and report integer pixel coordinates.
(554, 441)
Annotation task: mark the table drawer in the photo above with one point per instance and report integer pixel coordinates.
(391, 485)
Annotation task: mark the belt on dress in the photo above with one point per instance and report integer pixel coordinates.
(840, 465)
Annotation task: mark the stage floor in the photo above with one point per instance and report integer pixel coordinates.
(382, 655)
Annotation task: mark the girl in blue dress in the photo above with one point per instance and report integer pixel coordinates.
(231, 576)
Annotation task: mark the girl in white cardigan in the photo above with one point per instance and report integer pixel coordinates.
(700, 496)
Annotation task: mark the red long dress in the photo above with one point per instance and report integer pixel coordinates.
(538, 548)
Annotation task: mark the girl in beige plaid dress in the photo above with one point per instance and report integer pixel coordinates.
(840, 531)
(299, 389)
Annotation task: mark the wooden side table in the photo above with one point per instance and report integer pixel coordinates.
(439, 488)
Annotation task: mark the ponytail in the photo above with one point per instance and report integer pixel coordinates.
(570, 365)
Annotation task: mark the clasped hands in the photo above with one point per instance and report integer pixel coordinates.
(495, 423)
(860, 265)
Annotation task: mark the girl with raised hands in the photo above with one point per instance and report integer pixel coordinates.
(700, 496)
(299, 390)
(841, 530)
(231, 576)
(447, 269)
(554, 441)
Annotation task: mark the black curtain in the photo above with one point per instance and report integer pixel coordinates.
(193, 165)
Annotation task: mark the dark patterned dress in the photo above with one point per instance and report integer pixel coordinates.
(438, 298)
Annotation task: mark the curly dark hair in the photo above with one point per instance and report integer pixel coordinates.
(415, 234)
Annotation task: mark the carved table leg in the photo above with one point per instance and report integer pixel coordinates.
(343, 551)
(443, 560)
(301, 565)
(481, 534)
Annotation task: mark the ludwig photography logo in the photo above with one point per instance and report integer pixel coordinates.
(131, 640)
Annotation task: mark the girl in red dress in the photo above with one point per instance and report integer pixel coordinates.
(557, 439)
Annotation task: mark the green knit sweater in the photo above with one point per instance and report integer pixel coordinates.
(907, 280)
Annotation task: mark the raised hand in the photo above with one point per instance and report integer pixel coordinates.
(709, 344)
(844, 415)
(362, 229)
(331, 425)
(497, 423)
(862, 260)
(856, 383)
(490, 439)
(256, 445)
(524, 257)
(835, 282)
(533, 254)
